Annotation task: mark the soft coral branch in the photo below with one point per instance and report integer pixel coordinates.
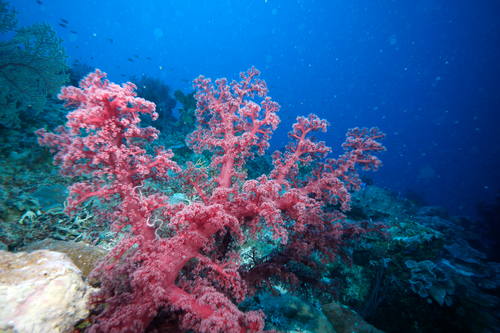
(302, 149)
(102, 140)
(231, 124)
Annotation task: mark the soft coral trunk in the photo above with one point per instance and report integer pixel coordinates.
(150, 277)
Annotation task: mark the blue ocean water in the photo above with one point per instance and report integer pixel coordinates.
(425, 72)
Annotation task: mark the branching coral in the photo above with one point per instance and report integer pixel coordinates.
(189, 278)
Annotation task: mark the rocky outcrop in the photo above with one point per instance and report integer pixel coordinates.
(41, 291)
(84, 256)
(346, 320)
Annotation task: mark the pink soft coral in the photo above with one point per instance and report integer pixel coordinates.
(191, 279)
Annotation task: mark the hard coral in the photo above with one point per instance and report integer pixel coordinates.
(189, 277)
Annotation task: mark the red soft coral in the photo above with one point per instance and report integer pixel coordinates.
(231, 123)
(189, 277)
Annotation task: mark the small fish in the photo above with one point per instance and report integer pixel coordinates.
(63, 25)
(130, 59)
(110, 40)
(64, 21)
(39, 2)
(73, 32)
(149, 58)
(136, 56)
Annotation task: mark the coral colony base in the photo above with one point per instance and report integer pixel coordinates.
(178, 266)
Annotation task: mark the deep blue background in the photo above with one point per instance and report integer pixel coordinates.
(426, 72)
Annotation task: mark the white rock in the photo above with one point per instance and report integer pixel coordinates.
(41, 291)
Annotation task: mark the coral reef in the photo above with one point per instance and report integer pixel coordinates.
(178, 265)
(32, 69)
(425, 271)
